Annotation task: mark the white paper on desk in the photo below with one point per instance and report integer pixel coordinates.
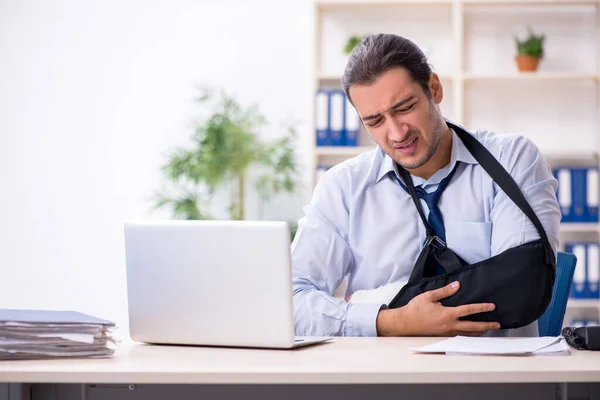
(560, 348)
(463, 345)
(73, 337)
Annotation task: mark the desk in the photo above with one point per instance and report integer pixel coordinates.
(345, 368)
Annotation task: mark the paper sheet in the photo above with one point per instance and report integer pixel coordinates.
(463, 345)
(36, 334)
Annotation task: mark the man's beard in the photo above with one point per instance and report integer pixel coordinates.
(437, 126)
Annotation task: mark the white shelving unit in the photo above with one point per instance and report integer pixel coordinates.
(470, 44)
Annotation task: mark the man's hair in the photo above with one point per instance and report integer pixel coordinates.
(380, 52)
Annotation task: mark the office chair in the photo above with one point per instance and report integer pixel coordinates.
(550, 323)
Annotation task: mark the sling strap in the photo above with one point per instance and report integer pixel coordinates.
(497, 173)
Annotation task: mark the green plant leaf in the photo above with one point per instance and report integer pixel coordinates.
(184, 204)
(280, 159)
(352, 42)
(224, 145)
(532, 45)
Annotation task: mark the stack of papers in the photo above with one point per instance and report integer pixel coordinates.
(462, 345)
(37, 334)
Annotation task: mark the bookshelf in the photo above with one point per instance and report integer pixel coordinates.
(470, 45)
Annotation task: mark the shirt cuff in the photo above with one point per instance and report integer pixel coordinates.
(361, 319)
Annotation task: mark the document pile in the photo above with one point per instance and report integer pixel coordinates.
(41, 334)
(461, 345)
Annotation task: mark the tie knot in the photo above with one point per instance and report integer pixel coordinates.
(432, 199)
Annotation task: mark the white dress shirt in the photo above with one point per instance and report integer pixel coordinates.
(361, 224)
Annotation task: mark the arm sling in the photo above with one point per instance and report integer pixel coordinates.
(518, 280)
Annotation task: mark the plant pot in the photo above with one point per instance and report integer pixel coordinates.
(527, 63)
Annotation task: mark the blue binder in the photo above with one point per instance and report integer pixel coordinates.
(592, 271)
(322, 117)
(564, 193)
(592, 194)
(578, 194)
(351, 124)
(337, 98)
(578, 287)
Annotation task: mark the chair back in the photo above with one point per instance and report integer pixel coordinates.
(550, 323)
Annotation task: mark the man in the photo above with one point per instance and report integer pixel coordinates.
(362, 223)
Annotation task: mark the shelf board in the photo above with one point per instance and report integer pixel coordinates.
(570, 157)
(583, 303)
(579, 227)
(554, 156)
(528, 2)
(338, 78)
(324, 151)
(334, 4)
(329, 77)
(500, 77)
(547, 76)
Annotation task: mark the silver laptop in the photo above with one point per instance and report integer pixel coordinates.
(211, 283)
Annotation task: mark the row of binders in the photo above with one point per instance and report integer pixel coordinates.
(48, 334)
(578, 193)
(585, 283)
(576, 323)
(337, 122)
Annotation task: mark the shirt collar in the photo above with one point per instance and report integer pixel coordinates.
(458, 153)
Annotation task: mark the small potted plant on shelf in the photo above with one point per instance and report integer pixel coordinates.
(529, 51)
(352, 42)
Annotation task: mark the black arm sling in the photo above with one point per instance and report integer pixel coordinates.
(518, 281)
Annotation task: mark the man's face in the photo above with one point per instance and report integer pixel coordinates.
(400, 117)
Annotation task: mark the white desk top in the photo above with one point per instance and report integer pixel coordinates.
(344, 360)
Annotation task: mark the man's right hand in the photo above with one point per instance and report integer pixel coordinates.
(424, 315)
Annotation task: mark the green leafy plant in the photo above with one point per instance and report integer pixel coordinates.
(352, 42)
(532, 45)
(225, 149)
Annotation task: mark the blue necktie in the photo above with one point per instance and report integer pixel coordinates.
(434, 219)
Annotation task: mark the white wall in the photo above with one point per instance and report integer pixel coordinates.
(92, 94)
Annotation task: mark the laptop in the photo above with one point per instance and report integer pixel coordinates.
(211, 283)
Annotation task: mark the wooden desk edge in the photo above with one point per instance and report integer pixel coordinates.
(162, 377)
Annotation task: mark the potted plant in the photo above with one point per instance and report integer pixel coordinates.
(352, 42)
(529, 51)
(225, 152)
